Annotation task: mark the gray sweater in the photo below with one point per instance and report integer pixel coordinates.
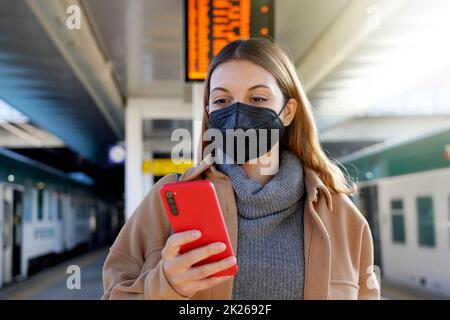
(270, 249)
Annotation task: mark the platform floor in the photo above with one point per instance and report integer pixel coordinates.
(51, 283)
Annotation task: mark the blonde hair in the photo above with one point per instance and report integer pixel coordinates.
(301, 136)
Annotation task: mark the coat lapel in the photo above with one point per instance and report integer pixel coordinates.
(317, 242)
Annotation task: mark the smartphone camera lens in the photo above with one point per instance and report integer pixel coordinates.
(171, 201)
(174, 209)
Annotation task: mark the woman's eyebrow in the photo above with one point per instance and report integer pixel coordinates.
(249, 89)
(259, 86)
(219, 88)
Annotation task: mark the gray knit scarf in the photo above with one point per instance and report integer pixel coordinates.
(270, 250)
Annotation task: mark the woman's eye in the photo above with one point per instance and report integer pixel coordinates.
(258, 99)
(220, 101)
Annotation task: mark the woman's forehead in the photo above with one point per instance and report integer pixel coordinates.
(242, 75)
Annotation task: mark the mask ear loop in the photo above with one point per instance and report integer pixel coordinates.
(283, 145)
(284, 107)
(278, 114)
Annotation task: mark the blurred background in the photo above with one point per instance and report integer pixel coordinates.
(92, 90)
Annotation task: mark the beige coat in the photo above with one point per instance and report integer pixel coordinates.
(338, 245)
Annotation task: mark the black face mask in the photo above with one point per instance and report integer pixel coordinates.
(261, 128)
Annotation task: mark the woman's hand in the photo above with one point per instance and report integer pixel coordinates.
(184, 278)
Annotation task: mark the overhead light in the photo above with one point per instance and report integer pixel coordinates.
(117, 154)
(10, 114)
(369, 175)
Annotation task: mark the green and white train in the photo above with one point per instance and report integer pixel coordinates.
(45, 215)
(404, 192)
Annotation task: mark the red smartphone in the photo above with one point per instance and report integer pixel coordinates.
(193, 205)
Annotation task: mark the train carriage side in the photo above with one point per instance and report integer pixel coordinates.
(43, 213)
(405, 196)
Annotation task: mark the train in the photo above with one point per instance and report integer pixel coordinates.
(47, 215)
(404, 193)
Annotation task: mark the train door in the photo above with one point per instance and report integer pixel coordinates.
(17, 215)
(369, 208)
(7, 234)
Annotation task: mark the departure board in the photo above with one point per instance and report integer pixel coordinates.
(211, 24)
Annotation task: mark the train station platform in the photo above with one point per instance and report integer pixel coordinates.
(396, 291)
(51, 283)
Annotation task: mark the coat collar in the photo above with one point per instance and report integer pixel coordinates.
(313, 182)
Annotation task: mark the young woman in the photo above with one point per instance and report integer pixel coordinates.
(295, 233)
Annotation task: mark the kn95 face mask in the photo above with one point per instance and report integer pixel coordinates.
(247, 131)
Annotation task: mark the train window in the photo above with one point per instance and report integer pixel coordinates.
(80, 210)
(77, 209)
(398, 221)
(40, 204)
(425, 218)
(82, 206)
(59, 206)
(6, 224)
(50, 198)
(27, 205)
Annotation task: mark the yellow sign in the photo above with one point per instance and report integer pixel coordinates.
(161, 167)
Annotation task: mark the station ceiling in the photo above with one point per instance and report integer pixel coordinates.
(346, 52)
(36, 80)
